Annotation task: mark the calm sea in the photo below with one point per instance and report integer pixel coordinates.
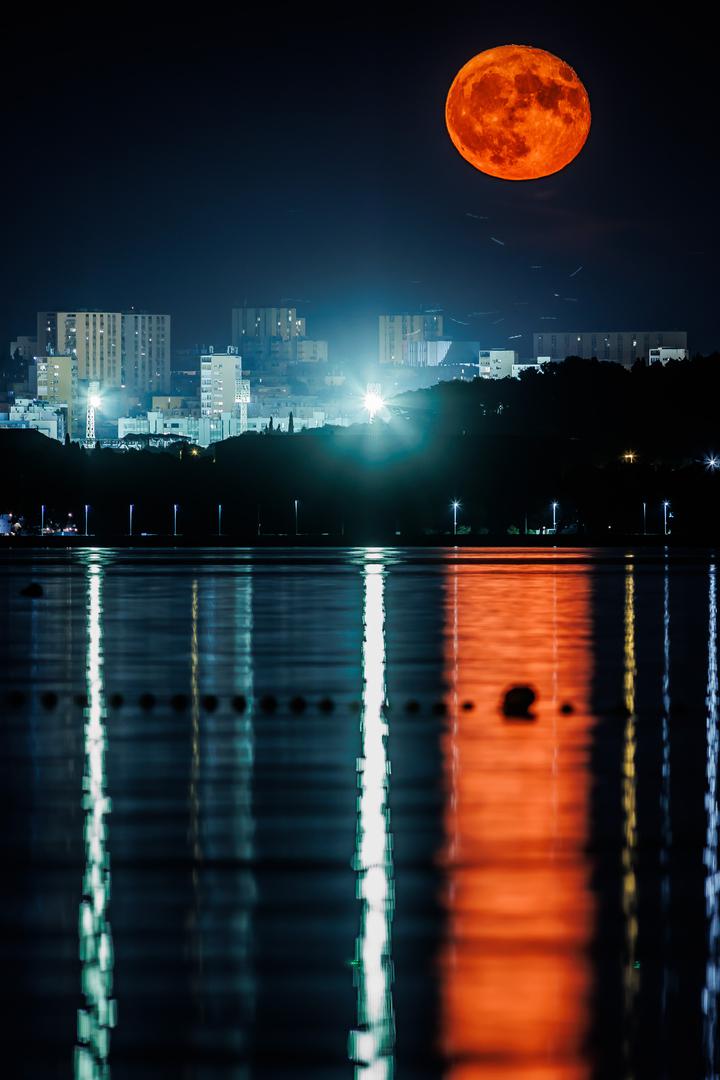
(263, 816)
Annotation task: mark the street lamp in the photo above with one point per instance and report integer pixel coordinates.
(455, 507)
(712, 462)
(86, 518)
(665, 515)
(175, 510)
(130, 517)
(296, 517)
(42, 520)
(219, 519)
(554, 510)
(644, 519)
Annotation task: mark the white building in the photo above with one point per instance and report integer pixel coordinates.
(422, 354)
(496, 363)
(661, 355)
(49, 418)
(529, 365)
(128, 349)
(202, 430)
(223, 391)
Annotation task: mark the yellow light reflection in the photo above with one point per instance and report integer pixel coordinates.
(371, 1044)
(631, 967)
(710, 854)
(515, 973)
(96, 1017)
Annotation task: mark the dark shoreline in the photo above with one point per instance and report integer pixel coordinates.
(280, 540)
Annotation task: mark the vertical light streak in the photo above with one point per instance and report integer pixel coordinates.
(631, 967)
(516, 980)
(195, 728)
(665, 810)
(371, 1044)
(710, 854)
(97, 1015)
(244, 743)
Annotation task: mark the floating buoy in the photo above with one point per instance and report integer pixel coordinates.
(518, 702)
(33, 590)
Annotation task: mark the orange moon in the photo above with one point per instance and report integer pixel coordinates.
(517, 113)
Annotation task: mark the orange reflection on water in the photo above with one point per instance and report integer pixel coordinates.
(515, 969)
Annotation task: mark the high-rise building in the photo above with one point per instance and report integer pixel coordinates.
(620, 346)
(397, 332)
(57, 382)
(273, 337)
(223, 391)
(259, 323)
(128, 349)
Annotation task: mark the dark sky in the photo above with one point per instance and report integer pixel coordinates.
(184, 166)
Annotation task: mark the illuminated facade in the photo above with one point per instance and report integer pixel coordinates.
(113, 348)
(46, 417)
(496, 363)
(57, 382)
(222, 387)
(397, 332)
(661, 356)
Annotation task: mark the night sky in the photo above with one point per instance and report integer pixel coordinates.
(188, 166)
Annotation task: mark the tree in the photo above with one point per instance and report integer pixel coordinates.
(291, 424)
(270, 425)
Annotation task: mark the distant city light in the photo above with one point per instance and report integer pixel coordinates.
(629, 456)
(455, 506)
(373, 403)
(712, 462)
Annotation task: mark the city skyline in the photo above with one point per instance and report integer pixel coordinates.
(347, 198)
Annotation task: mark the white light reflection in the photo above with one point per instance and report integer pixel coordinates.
(710, 854)
(371, 1044)
(97, 1015)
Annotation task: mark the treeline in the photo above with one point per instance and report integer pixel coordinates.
(505, 449)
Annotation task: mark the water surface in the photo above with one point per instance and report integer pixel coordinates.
(316, 848)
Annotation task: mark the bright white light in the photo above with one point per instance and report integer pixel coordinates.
(95, 401)
(712, 462)
(371, 1043)
(455, 504)
(373, 403)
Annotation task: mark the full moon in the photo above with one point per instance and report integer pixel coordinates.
(517, 113)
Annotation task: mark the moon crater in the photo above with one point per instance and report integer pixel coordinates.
(517, 112)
